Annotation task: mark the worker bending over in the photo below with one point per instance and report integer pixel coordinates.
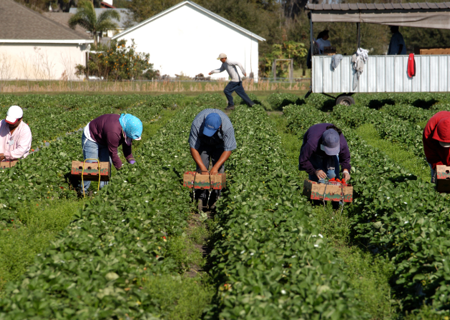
(103, 135)
(324, 151)
(211, 139)
(235, 83)
(15, 136)
(436, 141)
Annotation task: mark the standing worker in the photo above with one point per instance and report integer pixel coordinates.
(211, 139)
(235, 83)
(15, 136)
(323, 151)
(103, 135)
(436, 141)
(397, 44)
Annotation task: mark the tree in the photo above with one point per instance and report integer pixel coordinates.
(87, 18)
(119, 62)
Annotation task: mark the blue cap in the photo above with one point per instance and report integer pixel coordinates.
(212, 124)
(331, 142)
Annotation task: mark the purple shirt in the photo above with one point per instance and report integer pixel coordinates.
(107, 131)
(311, 145)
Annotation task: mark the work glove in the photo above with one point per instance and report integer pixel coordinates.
(131, 161)
(346, 175)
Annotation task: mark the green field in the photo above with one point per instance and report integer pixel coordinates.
(138, 249)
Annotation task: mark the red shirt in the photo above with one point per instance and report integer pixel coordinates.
(434, 152)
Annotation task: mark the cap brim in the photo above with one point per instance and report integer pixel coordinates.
(332, 151)
(208, 132)
(444, 144)
(11, 120)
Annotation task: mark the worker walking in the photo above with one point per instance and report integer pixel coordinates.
(211, 139)
(103, 135)
(15, 136)
(323, 152)
(235, 83)
(436, 141)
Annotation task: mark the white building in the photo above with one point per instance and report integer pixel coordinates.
(187, 39)
(33, 47)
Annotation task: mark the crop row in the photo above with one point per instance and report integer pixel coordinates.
(98, 266)
(405, 134)
(395, 215)
(50, 117)
(271, 261)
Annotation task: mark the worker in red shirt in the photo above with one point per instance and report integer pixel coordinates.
(436, 141)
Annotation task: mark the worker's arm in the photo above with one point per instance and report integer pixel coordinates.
(224, 157)
(233, 63)
(198, 160)
(221, 69)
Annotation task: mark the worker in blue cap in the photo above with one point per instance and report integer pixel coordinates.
(211, 140)
(323, 152)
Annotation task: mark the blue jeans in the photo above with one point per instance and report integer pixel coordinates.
(94, 150)
(328, 164)
(433, 173)
(236, 86)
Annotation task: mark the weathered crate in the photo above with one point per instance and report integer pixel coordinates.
(91, 172)
(192, 179)
(328, 192)
(8, 164)
(442, 178)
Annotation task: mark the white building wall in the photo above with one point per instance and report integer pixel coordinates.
(187, 41)
(40, 61)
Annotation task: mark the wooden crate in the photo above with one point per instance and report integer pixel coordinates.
(431, 51)
(331, 192)
(91, 170)
(442, 178)
(204, 181)
(8, 164)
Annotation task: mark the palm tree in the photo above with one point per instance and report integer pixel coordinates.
(87, 18)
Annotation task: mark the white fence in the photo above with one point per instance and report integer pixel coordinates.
(383, 74)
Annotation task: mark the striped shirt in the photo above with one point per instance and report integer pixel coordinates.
(225, 135)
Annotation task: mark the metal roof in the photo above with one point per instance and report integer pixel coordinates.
(379, 6)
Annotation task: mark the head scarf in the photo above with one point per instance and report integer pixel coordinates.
(131, 126)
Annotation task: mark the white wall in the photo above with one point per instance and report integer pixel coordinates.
(188, 41)
(40, 61)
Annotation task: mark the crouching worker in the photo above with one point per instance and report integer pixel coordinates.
(324, 151)
(103, 135)
(436, 141)
(211, 139)
(15, 136)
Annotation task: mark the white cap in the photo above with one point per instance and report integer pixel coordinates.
(221, 56)
(444, 144)
(14, 113)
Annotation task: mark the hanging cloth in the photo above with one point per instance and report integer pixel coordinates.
(411, 65)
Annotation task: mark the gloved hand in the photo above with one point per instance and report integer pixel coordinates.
(131, 161)
(346, 175)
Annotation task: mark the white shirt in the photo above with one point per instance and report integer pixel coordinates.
(230, 66)
(322, 44)
(87, 133)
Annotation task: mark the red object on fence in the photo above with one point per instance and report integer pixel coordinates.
(411, 65)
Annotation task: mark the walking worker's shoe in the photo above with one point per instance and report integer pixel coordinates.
(229, 108)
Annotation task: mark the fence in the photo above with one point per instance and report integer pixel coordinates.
(167, 85)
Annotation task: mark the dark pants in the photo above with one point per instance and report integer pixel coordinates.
(236, 86)
(330, 165)
(209, 154)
